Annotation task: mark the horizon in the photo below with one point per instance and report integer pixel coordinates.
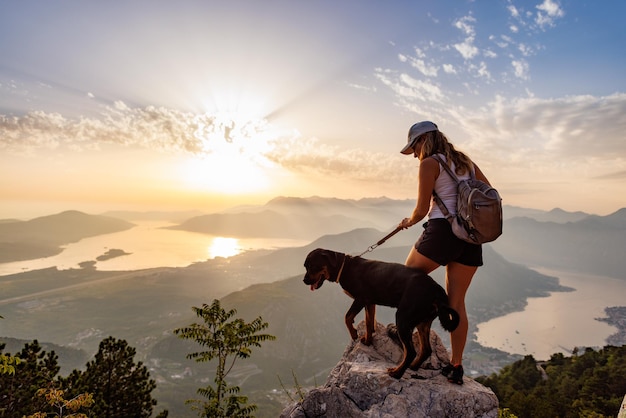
(210, 105)
(36, 212)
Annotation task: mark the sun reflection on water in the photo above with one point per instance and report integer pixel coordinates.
(224, 247)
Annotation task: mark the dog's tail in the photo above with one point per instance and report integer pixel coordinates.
(448, 317)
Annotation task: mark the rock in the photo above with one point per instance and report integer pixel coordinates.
(359, 386)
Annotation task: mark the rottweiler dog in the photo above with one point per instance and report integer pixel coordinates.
(418, 298)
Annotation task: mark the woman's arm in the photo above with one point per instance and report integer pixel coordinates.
(428, 173)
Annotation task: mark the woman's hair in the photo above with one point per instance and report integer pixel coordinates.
(435, 142)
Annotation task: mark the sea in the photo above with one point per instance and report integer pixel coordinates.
(149, 245)
(547, 325)
(560, 322)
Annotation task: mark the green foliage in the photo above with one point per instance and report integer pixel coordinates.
(8, 363)
(221, 339)
(18, 392)
(589, 384)
(55, 398)
(121, 388)
(506, 413)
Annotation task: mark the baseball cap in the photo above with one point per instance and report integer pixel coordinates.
(415, 131)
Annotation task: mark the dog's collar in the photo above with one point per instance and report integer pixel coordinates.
(341, 269)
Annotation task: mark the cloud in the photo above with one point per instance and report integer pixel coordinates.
(155, 128)
(449, 69)
(612, 176)
(422, 67)
(467, 49)
(548, 12)
(513, 11)
(550, 132)
(318, 160)
(465, 25)
(408, 87)
(520, 69)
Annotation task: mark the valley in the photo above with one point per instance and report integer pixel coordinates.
(78, 307)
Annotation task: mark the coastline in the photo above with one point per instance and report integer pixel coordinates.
(553, 324)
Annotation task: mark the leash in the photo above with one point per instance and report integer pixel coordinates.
(382, 241)
(341, 269)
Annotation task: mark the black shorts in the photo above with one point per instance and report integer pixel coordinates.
(439, 243)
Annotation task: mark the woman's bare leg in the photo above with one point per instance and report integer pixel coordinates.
(458, 279)
(419, 261)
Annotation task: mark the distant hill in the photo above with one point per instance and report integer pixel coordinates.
(594, 244)
(555, 215)
(309, 218)
(80, 307)
(175, 216)
(272, 224)
(309, 325)
(43, 236)
(69, 358)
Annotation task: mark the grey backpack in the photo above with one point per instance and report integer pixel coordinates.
(478, 216)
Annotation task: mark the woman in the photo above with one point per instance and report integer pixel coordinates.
(438, 246)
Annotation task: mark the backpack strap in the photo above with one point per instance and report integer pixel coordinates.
(438, 200)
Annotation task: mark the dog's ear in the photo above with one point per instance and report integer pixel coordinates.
(315, 259)
(333, 259)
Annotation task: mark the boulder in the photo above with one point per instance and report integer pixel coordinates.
(359, 386)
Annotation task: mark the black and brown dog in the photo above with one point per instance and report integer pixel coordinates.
(418, 299)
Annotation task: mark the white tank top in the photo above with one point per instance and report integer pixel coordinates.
(446, 188)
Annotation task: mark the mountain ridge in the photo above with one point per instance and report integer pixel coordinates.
(44, 236)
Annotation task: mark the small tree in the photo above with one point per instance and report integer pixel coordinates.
(35, 370)
(121, 388)
(222, 339)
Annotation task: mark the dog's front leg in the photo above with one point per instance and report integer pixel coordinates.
(370, 324)
(350, 315)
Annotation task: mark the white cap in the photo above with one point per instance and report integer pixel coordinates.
(415, 131)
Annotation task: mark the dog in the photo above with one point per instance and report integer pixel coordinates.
(417, 297)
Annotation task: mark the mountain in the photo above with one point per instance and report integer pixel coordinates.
(177, 216)
(69, 358)
(309, 326)
(43, 236)
(594, 244)
(272, 224)
(555, 215)
(80, 307)
(308, 218)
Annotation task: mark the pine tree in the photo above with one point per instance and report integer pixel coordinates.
(18, 391)
(120, 387)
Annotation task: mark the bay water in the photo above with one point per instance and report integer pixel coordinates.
(547, 325)
(560, 322)
(149, 245)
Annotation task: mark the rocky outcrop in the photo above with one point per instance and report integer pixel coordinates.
(359, 386)
(622, 409)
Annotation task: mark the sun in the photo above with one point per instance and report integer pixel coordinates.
(232, 160)
(224, 173)
(224, 247)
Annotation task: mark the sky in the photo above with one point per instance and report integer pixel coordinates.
(205, 105)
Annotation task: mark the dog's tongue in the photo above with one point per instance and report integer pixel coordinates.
(313, 287)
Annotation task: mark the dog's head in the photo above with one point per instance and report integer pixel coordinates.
(321, 265)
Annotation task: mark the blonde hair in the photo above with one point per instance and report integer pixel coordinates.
(435, 142)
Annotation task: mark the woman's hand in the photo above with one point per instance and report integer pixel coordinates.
(406, 223)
